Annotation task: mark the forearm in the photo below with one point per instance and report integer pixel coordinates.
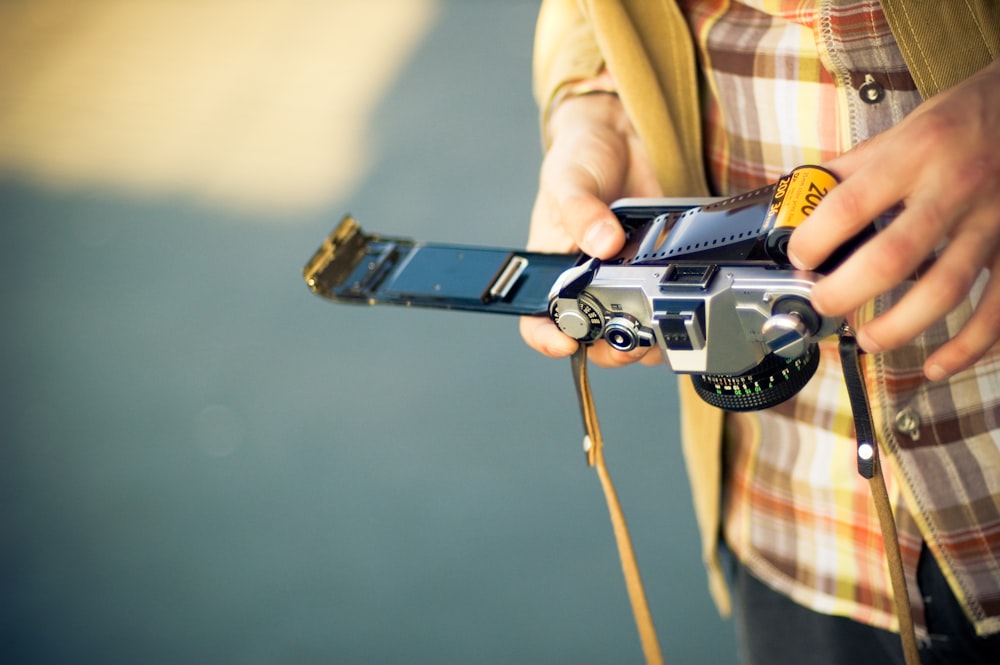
(565, 52)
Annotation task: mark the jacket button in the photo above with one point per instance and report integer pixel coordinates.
(908, 423)
(871, 91)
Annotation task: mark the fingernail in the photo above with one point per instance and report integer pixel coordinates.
(817, 297)
(936, 373)
(867, 343)
(798, 263)
(599, 238)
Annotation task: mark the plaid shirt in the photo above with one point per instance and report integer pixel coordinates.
(799, 81)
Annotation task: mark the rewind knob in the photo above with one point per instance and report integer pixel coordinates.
(579, 319)
(574, 324)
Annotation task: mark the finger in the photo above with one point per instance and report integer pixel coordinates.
(545, 233)
(541, 334)
(846, 209)
(979, 334)
(875, 176)
(935, 294)
(573, 198)
(888, 258)
(653, 358)
(582, 219)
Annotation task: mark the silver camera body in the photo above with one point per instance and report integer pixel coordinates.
(748, 312)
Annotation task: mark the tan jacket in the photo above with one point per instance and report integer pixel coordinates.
(647, 46)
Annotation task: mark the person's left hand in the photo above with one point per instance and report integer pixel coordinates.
(943, 163)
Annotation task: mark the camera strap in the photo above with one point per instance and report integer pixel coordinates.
(593, 447)
(868, 466)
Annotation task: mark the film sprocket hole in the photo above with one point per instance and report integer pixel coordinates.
(706, 281)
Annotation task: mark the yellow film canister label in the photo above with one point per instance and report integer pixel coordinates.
(796, 195)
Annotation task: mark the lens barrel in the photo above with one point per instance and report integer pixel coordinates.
(770, 383)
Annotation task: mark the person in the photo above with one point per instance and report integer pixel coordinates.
(901, 101)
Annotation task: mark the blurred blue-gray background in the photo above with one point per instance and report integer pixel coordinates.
(200, 461)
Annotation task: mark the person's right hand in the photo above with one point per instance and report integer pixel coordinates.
(595, 158)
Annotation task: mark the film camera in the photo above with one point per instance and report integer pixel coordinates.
(706, 281)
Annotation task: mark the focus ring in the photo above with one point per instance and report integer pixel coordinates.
(768, 384)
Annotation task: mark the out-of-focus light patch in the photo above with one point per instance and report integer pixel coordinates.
(218, 430)
(251, 103)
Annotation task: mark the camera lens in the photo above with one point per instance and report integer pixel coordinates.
(770, 383)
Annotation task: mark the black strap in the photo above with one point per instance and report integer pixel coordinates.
(850, 358)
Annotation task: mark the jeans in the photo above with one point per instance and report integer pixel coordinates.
(773, 630)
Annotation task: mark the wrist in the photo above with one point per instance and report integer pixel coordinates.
(602, 84)
(599, 92)
(587, 115)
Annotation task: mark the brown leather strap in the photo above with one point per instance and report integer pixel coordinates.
(593, 447)
(900, 598)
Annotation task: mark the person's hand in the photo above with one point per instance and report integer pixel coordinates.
(943, 163)
(595, 158)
